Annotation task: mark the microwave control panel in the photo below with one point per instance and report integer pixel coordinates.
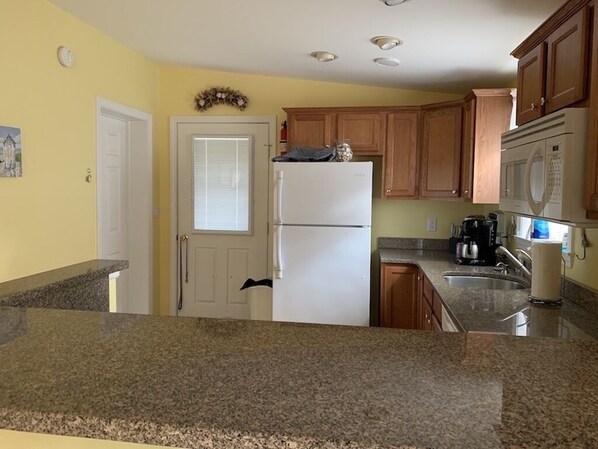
(555, 165)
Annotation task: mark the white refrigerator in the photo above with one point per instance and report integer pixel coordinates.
(322, 238)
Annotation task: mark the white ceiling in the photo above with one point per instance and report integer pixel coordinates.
(449, 46)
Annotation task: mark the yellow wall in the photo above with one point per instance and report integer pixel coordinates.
(267, 96)
(48, 217)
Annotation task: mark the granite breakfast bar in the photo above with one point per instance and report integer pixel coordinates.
(204, 383)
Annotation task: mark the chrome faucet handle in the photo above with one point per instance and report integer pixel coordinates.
(502, 267)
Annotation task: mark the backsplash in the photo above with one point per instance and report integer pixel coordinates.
(412, 243)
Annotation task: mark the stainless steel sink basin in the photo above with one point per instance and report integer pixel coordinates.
(486, 282)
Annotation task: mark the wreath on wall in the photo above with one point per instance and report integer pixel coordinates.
(220, 95)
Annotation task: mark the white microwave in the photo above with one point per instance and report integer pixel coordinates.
(542, 168)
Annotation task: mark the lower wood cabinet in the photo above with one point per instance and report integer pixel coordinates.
(407, 299)
(399, 293)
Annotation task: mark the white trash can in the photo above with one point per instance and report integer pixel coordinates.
(260, 302)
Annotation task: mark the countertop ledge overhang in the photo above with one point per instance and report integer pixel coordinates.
(223, 384)
(496, 311)
(82, 286)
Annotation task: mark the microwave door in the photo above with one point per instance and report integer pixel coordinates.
(512, 192)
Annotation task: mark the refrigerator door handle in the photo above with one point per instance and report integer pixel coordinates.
(278, 253)
(279, 178)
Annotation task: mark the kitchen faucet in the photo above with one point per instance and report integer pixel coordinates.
(501, 250)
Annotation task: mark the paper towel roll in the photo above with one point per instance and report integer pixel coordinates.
(546, 265)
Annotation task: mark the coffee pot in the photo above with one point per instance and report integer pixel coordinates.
(478, 241)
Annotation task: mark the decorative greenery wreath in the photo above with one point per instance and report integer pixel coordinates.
(220, 95)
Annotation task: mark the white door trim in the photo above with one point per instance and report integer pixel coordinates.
(139, 188)
(172, 238)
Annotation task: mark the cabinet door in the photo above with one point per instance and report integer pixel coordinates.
(400, 158)
(567, 63)
(492, 118)
(310, 129)
(441, 152)
(398, 298)
(426, 319)
(591, 184)
(365, 131)
(530, 84)
(468, 146)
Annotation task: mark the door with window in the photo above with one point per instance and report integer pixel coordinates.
(223, 197)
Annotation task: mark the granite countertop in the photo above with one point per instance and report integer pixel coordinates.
(194, 383)
(497, 311)
(63, 277)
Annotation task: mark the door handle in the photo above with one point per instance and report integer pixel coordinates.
(183, 239)
(537, 207)
(278, 254)
(279, 179)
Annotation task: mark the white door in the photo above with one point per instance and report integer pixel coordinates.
(112, 173)
(223, 196)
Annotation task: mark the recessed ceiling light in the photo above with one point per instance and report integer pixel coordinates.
(388, 62)
(324, 56)
(386, 42)
(393, 2)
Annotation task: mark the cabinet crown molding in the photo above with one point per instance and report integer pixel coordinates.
(560, 16)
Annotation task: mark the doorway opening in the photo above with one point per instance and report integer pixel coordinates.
(124, 200)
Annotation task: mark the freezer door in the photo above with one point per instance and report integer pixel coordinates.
(324, 275)
(323, 193)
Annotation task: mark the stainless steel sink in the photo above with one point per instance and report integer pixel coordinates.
(485, 282)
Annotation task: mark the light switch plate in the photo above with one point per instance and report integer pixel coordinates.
(431, 225)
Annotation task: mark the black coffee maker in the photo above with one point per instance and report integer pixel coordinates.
(478, 237)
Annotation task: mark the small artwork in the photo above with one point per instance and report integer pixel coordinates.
(10, 152)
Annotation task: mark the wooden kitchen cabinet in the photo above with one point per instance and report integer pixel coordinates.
(591, 184)
(553, 65)
(430, 307)
(400, 163)
(364, 128)
(310, 128)
(441, 150)
(486, 115)
(399, 296)
(366, 131)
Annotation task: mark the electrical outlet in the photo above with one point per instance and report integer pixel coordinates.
(431, 225)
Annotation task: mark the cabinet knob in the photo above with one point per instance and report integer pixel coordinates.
(466, 192)
(387, 190)
(507, 191)
(532, 106)
(542, 101)
(454, 191)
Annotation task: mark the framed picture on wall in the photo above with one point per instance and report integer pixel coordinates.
(10, 152)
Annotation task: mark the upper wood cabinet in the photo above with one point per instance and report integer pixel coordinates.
(399, 296)
(441, 151)
(400, 167)
(486, 115)
(365, 128)
(310, 129)
(365, 131)
(553, 63)
(530, 84)
(591, 189)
